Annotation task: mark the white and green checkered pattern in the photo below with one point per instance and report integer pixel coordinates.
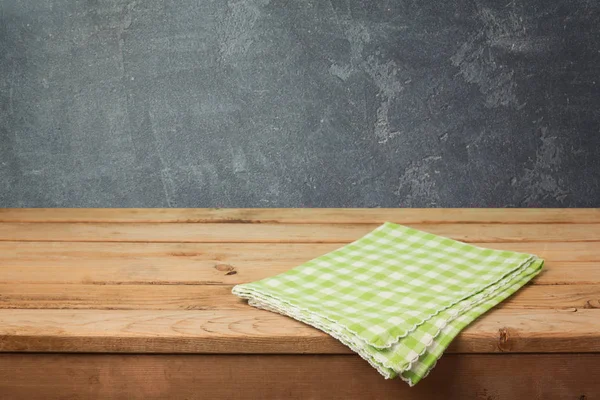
(397, 296)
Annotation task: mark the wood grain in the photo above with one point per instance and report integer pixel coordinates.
(158, 281)
(304, 215)
(555, 297)
(232, 273)
(257, 331)
(41, 253)
(119, 297)
(284, 233)
(131, 377)
(219, 297)
(226, 263)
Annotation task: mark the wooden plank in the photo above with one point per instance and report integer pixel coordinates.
(257, 331)
(305, 215)
(219, 297)
(556, 331)
(192, 272)
(568, 273)
(172, 254)
(156, 331)
(119, 297)
(222, 263)
(131, 377)
(284, 233)
(554, 297)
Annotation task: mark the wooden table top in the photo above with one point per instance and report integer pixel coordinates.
(159, 280)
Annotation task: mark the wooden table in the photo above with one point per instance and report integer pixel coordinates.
(136, 304)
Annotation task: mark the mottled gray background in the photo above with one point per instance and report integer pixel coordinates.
(258, 103)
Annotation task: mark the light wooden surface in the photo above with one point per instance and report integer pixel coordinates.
(135, 377)
(125, 232)
(305, 215)
(218, 297)
(159, 281)
(156, 275)
(229, 263)
(255, 331)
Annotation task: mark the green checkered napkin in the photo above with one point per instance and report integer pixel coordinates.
(397, 296)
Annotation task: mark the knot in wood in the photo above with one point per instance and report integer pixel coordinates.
(228, 269)
(503, 339)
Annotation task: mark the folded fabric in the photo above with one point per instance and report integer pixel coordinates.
(397, 296)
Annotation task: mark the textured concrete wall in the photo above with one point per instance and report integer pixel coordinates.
(258, 103)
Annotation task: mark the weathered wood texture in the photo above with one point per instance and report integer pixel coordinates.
(282, 233)
(256, 331)
(304, 215)
(159, 281)
(218, 297)
(131, 377)
(229, 263)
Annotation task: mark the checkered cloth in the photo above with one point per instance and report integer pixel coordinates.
(397, 296)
